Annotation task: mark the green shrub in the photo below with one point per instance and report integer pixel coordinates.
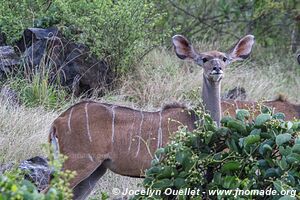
(14, 186)
(38, 91)
(16, 15)
(119, 31)
(258, 154)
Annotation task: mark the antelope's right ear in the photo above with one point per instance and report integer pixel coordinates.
(183, 48)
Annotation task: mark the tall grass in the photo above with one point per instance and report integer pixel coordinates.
(22, 131)
(162, 78)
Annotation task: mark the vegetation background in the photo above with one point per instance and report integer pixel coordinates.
(133, 36)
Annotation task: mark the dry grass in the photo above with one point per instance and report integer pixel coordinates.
(163, 78)
(159, 79)
(22, 131)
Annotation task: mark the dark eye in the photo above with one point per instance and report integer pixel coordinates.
(204, 60)
(224, 59)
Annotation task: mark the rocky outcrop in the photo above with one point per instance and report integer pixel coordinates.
(9, 60)
(37, 171)
(66, 63)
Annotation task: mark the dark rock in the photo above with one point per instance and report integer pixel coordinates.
(2, 39)
(37, 171)
(32, 35)
(237, 93)
(9, 96)
(71, 64)
(8, 61)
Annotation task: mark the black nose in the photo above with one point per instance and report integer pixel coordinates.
(217, 69)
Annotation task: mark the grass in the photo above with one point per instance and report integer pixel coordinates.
(159, 79)
(22, 131)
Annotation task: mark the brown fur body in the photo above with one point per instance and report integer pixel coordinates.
(124, 138)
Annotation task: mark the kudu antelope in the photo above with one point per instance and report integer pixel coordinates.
(98, 136)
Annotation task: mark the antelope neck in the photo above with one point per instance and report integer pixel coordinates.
(211, 98)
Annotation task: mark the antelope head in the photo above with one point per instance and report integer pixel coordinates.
(213, 64)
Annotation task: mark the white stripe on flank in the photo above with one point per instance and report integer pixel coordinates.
(69, 120)
(140, 134)
(113, 123)
(91, 158)
(87, 121)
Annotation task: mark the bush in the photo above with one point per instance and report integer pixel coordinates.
(14, 186)
(16, 16)
(244, 154)
(118, 31)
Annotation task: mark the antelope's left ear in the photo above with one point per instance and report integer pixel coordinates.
(242, 49)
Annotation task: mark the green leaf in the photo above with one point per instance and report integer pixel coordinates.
(297, 140)
(231, 182)
(255, 131)
(279, 115)
(278, 185)
(233, 145)
(271, 172)
(283, 138)
(153, 171)
(296, 126)
(251, 139)
(242, 114)
(159, 152)
(167, 172)
(265, 148)
(261, 119)
(218, 178)
(231, 166)
(293, 158)
(162, 184)
(226, 119)
(289, 125)
(182, 156)
(296, 148)
(223, 131)
(266, 135)
(183, 174)
(179, 183)
(282, 163)
(237, 126)
(285, 151)
(263, 163)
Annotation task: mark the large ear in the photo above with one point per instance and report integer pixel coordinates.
(298, 58)
(183, 48)
(242, 49)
